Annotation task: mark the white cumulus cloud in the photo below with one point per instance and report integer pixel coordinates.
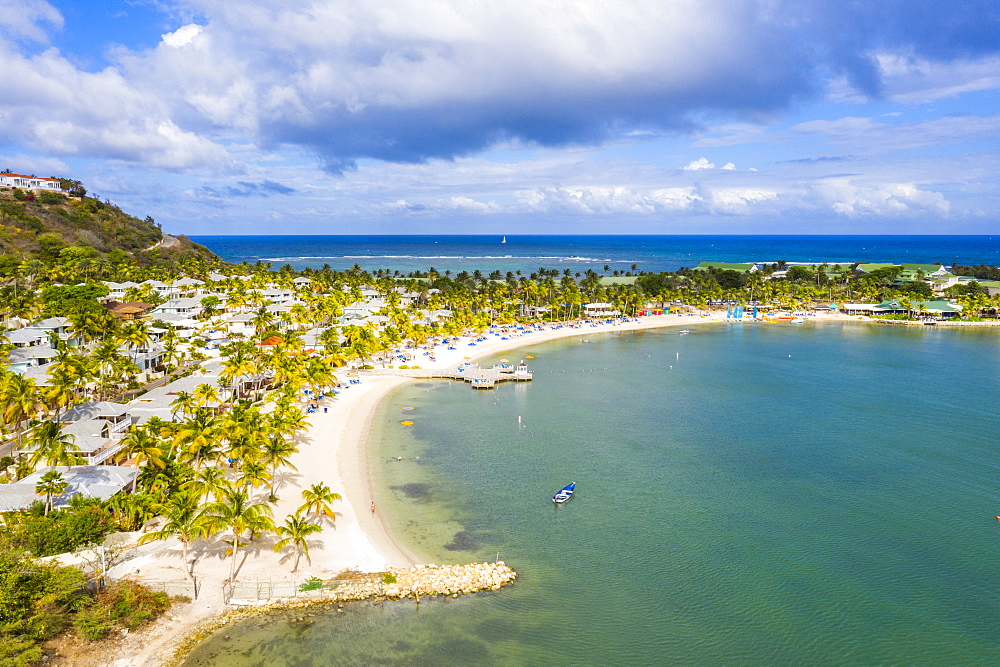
(25, 19)
(739, 200)
(182, 36)
(699, 164)
(852, 199)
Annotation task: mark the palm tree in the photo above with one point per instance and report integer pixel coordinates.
(261, 320)
(21, 400)
(60, 392)
(255, 473)
(93, 323)
(244, 427)
(184, 402)
(277, 452)
(238, 364)
(210, 481)
(132, 510)
(135, 335)
(235, 512)
(198, 437)
(295, 532)
(317, 500)
(52, 484)
(204, 394)
(185, 521)
(143, 447)
(51, 446)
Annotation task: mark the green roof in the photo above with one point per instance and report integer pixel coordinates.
(926, 268)
(935, 304)
(868, 268)
(726, 266)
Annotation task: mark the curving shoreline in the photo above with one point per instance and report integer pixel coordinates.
(335, 452)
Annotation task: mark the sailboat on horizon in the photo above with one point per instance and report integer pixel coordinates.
(504, 240)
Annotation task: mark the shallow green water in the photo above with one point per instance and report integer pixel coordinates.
(783, 494)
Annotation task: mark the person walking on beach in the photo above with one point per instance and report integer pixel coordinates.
(373, 508)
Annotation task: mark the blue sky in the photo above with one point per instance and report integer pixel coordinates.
(552, 116)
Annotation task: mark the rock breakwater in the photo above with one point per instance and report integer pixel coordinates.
(449, 579)
(411, 582)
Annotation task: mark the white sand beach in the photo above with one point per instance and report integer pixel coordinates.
(333, 451)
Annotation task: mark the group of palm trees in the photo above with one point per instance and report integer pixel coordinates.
(217, 466)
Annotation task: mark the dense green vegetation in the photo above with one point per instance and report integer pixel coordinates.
(85, 521)
(50, 235)
(39, 600)
(981, 271)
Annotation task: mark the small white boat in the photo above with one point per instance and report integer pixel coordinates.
(564, 493)
(504, 240)
(684, 331)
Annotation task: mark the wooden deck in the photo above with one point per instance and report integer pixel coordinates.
(479, 378)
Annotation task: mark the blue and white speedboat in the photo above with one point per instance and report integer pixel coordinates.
(564, 494)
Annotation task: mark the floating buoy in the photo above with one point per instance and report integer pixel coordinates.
(407, 423)
(529, 357)
(408, 407)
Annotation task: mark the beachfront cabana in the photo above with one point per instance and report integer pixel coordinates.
(931, 309)
(858, 308)
(600, 310)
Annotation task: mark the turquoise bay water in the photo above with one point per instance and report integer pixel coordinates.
(783, 494)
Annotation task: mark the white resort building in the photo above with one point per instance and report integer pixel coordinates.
(8, 180)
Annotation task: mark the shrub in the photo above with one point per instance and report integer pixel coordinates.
(312, 584)
(389, 578)
(18, 652)
(90, 625)
(37, 602)
(125, 603)
(84, 522)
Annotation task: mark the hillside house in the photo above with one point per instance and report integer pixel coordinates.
(8, 180)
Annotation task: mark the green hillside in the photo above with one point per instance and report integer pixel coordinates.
(41, 225)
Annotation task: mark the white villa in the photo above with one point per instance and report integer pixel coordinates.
(8, 180)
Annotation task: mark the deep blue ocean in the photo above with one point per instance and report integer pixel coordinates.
(579, 253)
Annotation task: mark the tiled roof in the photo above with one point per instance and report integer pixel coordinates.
(37, 178)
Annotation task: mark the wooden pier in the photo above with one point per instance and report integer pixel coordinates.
(479, 378)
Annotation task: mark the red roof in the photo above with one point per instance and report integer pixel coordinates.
(37, 178)
(273, 340)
